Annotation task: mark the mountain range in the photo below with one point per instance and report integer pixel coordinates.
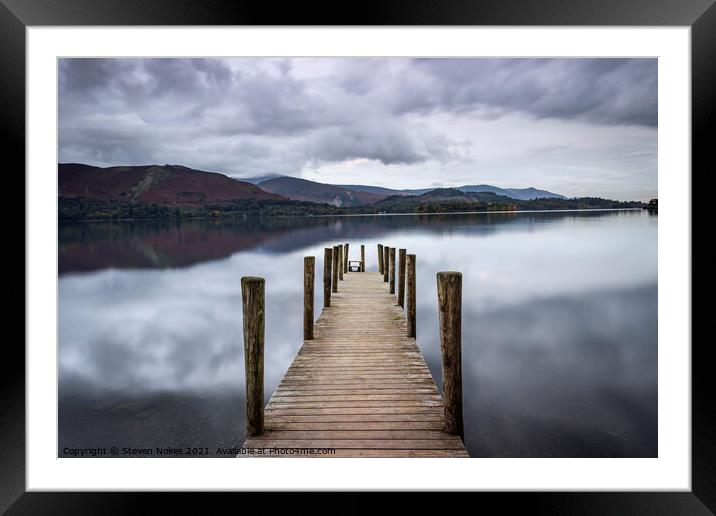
(176, 185)
(345, 195)
(304, 190)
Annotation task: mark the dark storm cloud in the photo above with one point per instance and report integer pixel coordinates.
(191, 91)
(141, 79)
(255, 116)
(386, 143)
(604, 91)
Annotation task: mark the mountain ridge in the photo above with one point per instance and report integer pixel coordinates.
(524, 194)
(305, 190)
(154, 184)
(177, 185)
(173, 192)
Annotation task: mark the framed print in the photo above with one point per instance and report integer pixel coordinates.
(422, 243)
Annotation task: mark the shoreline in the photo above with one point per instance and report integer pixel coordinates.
(476, 212)
(574, 210)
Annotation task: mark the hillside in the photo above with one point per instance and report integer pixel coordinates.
(172, 191)
(375, 189)
(255, 180)
(167, 185)
(523, 194)
(304, 190)
(447, 198)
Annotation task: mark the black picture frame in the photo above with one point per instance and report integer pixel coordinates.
(700, 15)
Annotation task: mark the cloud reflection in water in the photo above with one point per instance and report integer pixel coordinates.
(559, 327)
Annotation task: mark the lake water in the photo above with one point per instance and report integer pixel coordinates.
(559, 325)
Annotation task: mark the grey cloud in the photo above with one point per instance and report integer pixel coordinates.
(136, 110)
(387, 143)
(279, 105)
(252, 116)
(143, 79)
(85, 75)
(603, 91)
(191, 91)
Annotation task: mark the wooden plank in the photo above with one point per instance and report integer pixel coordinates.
(385, 383)
(316, 389)
(347, 411)
(358, 365)
(358, 425)
(360, 387)
(362, 375)
(447, 443)
(349, 453)
(351, 378)
(278, 405)
(355, 397)
(353, 418)
(360, 394)
(353, 434)
(341, 370)
(443, 454)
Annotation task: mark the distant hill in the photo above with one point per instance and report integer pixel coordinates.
(446, 200)
(304, 190)
(375, 189)
(419, 191)
(174, 192)
(444, 195)
(170, 191)
(257, 179)
(524, 194)
(173, 185)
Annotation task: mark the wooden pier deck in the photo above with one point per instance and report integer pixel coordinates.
(360, 386)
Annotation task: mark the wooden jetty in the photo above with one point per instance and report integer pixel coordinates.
(359, 385)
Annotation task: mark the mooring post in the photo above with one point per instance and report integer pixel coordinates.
(401, 278)
(410, 266)
(380, 258)
(450, 311)
(340, 262)
(327, 262)
(334, 279)
(392, 270)
(362, 258)
(345, 259)
(386, 263)
(309, 271)
(252, 296)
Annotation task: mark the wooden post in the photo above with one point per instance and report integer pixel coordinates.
(345, 259)
(410, 266)
(309, 271)
(401, 278)
(386, 263)
(252, 296)
(327, 262)
(392, 270)
(362, 258)
(334, 279)
(450, 311)
(340, 262)
(380, 258)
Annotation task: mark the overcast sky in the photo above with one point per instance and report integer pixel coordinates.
(573, 126)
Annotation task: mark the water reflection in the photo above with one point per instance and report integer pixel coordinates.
(559, 324)
(89, 246)
(561, 376)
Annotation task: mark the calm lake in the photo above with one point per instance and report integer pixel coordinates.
(559, 325)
